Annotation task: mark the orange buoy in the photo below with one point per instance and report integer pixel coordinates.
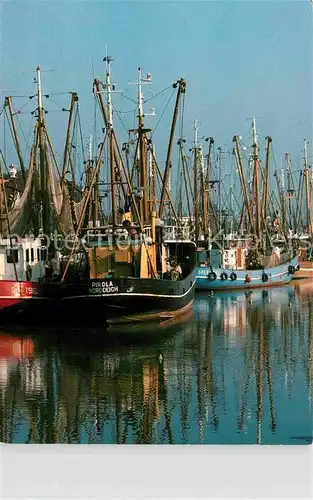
(248, 278)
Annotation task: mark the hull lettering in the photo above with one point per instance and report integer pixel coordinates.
(102, 287)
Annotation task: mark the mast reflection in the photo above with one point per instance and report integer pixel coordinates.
(231, 372)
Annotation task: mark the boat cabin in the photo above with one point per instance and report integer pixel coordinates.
(227, 258)
(137, 256)
(24, 258)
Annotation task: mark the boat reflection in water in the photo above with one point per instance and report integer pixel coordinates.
(238, 370)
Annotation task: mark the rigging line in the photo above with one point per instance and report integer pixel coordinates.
(18, 120)
(274, 159)
(166, 106)
(125, 112)
(24, 106)
(58, 93)
(118, 114)
(22, 96)
(27, 142)
(54, 111)
(159, 93)
(129, 98)
(182, 116)
(57, 104)
(134, 122)
(95, 121)
(72, 146)
(3, 158)
(81, 136)
(26, 113)
(11, 129)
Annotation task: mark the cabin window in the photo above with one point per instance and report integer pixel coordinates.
(12, 256)
(32, 255)
(27, 255)
(43, 254)
(38, 254)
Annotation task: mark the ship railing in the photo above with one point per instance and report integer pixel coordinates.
(176, 233)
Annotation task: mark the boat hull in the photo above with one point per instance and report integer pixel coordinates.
(125, 300)
(276, 276)
(102, 302)
(15, 295)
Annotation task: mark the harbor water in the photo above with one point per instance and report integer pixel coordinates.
(237, 369)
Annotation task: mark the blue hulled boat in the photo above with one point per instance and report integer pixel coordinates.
(249, 258)
(221, 276)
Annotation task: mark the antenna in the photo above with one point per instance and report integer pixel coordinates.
(195, 128)
(90, 148)
(142, 81)
(109, 88)
(36, 70)
(305, 154)
(255, 136)
(107, 59)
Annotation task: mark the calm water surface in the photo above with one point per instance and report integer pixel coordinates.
(236, 370)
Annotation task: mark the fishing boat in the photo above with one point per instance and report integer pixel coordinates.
(21, 269)
(22, 255)
(296, 210)
(128, 271)
(251, 261)
(306, 251)
(33, 204)
(228, 269)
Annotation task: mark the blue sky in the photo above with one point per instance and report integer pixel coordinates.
(240, 59)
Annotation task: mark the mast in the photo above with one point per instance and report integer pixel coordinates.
(142, 143)
(283, 200)
(152, 191)
(195, 180)
(299, 221)
(66, 155)
(42, 155)
(307, 189)
(289, 190)
(95, 194)
(107, 121)
(181, 90)
(109, 124)
(85, 205)
(142, 148)
(219, 181)
(267, 179)
(8, 102)
(257, 181)
(187, 183)
(243, 181)
(205, 196)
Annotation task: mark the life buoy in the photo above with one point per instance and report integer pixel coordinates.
(248, 278)
(233, 276)
(291, 270)
(224, 276)
(212, 276)
(264, 277)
